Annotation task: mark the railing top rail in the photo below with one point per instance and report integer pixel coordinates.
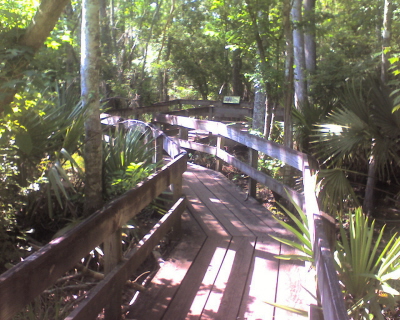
(287, 155)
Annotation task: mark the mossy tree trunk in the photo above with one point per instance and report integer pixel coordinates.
(90, 55)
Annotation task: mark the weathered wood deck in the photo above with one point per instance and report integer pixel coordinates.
(224, 266)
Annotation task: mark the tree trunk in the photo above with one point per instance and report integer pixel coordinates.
(269, 118)
(386, 37)
(164, 74)
(237, 83)
(288, 99)
(310, 50)
(90, 54)
(107, 69)
(39, 29)
(259, 108)
(300, 84)
(368, 204)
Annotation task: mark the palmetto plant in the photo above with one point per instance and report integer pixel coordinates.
(362, 135)
(302, 241)
(38, 140)
(127, 159)
(365, 263)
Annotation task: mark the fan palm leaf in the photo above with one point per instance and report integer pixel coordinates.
(361, 129)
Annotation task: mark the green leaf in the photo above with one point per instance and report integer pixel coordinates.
(24, 142)
(300, 312)
(297, 257)
(396, 108)
(294, 245)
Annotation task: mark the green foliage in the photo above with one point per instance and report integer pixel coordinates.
(301, 232)
(366, 262)
(126, 180)
(271, 166)
(127, 159)
(336, 193)
(362, 125)
(37, 140)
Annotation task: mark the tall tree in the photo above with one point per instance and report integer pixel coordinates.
(288, 92)
(260, 97)
(107, 68)
(32, 39)
(310, 50)
(90, 55)
(300, 84)
(386, 37)
(368, 204)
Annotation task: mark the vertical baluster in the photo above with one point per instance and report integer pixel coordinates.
(112, 256)
(253, 161)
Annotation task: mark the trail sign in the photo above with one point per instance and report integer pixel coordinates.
(231, 99)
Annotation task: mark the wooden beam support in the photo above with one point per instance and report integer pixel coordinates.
(112, 256)
(253, 161)
(220, 145)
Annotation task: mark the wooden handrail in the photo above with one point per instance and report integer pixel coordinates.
(330, 294)
(25, 281)
(201, 107)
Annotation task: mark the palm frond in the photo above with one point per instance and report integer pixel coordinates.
(335, 191)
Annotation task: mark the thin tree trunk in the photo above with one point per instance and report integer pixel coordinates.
(237, 83)
(38, 30)
(288, 99)
(269, 118)
(386, 37)
(164, 74)
(300, 84)
(153, 22)
(90, 54)
(368, 204)
(310, 50)
(259, 108)
(107, 68)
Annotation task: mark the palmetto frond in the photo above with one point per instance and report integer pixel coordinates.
(127, 158)
(362, 128)
(336, 192)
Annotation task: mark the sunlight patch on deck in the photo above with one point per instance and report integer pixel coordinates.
(210, 280)
(215, 298)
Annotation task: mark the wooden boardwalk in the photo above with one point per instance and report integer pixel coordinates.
(224, 266)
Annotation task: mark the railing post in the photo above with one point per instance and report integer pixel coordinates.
(176, 188)
(183, 133)
(112, 256)
(220, 145)
(253, 161)
(159, 146)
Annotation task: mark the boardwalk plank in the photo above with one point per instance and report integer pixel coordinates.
(198, 280)
(290, 292)
(233, 225)
(225, 298)
(203, 216)
(257, 226)
(152, 304)
(238, 198)
(262, 281)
